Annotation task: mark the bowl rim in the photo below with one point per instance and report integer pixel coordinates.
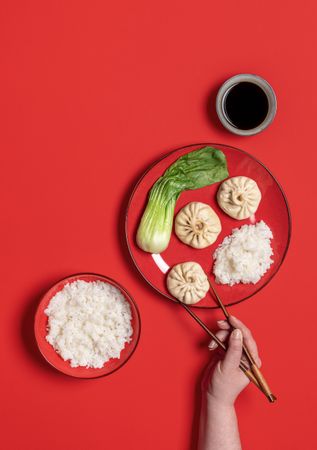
(185, 147)
(114, 283)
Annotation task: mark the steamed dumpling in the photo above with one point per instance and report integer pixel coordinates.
(197, 225)
(187, 282)
(239, 197)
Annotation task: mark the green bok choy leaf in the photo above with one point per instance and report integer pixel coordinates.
(194, 170)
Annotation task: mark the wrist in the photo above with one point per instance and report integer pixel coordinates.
(216, 402)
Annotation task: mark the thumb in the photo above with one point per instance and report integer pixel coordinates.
(233, 355)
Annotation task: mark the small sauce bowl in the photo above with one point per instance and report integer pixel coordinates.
(221, 102)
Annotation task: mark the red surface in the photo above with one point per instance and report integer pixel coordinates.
(91, 94)
(41, 325)
(276, 217)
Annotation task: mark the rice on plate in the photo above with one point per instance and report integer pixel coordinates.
(89, 323)
(244, 256)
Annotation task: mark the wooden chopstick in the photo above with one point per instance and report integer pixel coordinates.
(242, 365)
(254, 368)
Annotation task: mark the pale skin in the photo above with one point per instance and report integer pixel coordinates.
(222, 383)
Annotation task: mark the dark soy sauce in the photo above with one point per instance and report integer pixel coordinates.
(246, 105)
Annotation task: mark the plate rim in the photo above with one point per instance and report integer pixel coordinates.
(212, 145)
(113, 283)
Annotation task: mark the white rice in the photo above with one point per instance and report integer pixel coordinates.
(244, 256)
(88, 323)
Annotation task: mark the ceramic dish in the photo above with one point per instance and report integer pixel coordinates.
(40, 329)
(246, 78)
(273, 210)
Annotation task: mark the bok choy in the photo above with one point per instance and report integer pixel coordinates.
(194, 170)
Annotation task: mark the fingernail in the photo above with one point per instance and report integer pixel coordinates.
(221, 321)
(236, 334)
(212, 345)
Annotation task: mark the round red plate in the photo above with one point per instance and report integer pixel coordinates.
(273, 210)
(41, 322)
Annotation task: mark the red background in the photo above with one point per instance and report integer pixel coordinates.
(91, 93)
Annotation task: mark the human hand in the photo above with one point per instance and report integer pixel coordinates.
(226, 380)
